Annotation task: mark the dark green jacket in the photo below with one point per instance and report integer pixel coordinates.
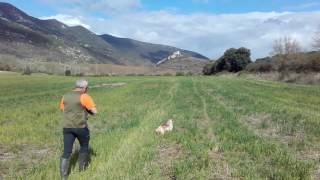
(75, 115)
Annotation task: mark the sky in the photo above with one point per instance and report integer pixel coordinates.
(208, 27)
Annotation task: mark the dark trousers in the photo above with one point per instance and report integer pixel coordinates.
(69, 136)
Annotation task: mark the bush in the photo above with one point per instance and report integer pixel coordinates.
(298, 63)
(167, 74)
(67, 72)
(207, 69)
(27, 71)
(80, 74)
(261, 65)
(179, 74)
(5, 67)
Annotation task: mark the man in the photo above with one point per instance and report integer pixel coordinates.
(76, 105)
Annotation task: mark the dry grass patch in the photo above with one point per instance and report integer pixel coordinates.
(167, 154)
(23, 156)
(222, 170)
(109, 85)
(263, 126)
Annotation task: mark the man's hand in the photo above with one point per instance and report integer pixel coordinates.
(92, 111)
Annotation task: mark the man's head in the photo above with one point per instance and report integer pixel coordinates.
(82, 85)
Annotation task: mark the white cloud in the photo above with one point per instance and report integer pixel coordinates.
(69, 20)
(208, 34)
(212, 34)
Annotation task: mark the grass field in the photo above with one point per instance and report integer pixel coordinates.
(224, 128)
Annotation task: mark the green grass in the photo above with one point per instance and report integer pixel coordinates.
(224, 127)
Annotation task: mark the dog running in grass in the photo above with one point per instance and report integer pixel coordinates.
(166, 127)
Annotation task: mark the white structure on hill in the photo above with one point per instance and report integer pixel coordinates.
(172, 56)
(175, 55)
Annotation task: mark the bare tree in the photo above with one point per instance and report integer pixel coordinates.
(277, 47)
(316, 40)
(285, 46)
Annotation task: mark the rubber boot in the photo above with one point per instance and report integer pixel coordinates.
(83, 161)
(64, 168)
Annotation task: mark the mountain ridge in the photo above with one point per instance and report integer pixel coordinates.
(28, 37)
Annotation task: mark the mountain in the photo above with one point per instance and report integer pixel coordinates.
(133, 50)
(33, 39)
(49, 40)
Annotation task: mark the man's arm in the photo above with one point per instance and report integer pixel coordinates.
(62, 105)
(88, 104)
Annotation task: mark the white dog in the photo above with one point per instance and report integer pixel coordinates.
(168, 126)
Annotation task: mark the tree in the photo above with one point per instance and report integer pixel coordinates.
(285, 46)
(233, 60)
(285, 50)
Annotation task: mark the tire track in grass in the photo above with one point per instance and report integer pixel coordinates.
(236, 137)
(168, 151)
(222, 169)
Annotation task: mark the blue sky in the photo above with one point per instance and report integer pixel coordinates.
(206, 26)
(45, 8)
(233, 6)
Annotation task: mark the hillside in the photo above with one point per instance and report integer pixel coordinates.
(33, 39)
(178, 62)
(132, 50)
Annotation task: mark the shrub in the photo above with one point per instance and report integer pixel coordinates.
(5, 67)
(27, 71)
(299, 63)
(67, 72)
(167, 74)
(80, 74)
(261, 65)
(207, 69)
(179, 74)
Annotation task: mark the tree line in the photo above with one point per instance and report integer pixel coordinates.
(286, 55)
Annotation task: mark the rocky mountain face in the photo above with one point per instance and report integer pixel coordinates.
(30, 38)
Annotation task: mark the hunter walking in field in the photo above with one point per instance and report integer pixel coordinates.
(76, 105)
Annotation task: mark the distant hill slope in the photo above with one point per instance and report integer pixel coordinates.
(181, 63)
(147, 52)
(27, 37)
